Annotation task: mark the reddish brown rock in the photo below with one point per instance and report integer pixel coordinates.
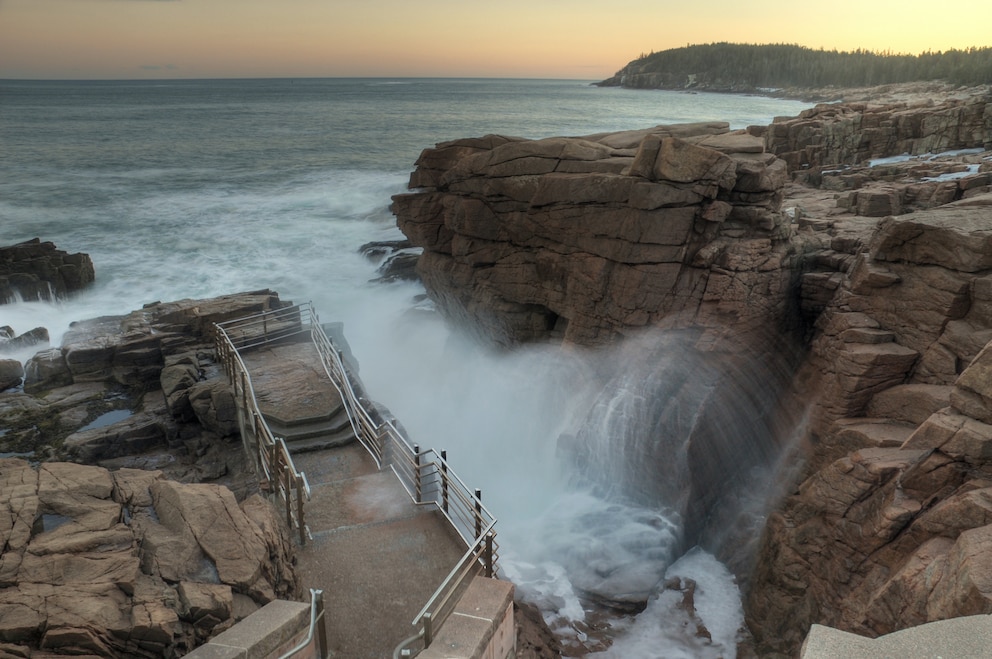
(78, 567)
(586, 239)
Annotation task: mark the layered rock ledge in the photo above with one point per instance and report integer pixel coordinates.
(586, 239)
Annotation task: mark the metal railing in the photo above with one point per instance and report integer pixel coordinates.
(273, 461)
(425, 475)
(317, 631)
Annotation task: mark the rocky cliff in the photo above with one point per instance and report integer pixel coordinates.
(588, 239)
(882, 271)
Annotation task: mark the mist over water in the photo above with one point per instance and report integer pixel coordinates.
(193, 189)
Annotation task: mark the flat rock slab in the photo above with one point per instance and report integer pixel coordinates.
(290, 383)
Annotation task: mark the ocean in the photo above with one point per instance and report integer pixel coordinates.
(197, 188)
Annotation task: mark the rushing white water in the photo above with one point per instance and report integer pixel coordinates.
(196, 189)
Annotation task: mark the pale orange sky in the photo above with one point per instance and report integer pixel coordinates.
(581, 39)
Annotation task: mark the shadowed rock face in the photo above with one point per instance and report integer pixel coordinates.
(36, 270)
(586, 239)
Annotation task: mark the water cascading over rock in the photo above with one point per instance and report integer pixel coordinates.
(692, 433)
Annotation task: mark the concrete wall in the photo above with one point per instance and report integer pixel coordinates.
(272, 630)
(970, 636)
(480, 627)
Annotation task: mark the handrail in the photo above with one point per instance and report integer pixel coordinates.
(271, 456)
(316, 626)
(428, 480)
(425, 475)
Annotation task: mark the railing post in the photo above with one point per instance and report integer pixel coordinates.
(273, 470)
(478, 513)
(299, 509)
(489, 555)
(428, 630)
(416, 469)
(289, 495)
(322, 649)
(444, 480)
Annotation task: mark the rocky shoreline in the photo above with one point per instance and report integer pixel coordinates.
(790, 238)
(132, 525)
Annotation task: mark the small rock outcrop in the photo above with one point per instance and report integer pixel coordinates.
(36, 270)
(127, 563)
(586, 239)
(155, 365)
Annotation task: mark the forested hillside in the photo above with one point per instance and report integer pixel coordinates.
(748, 67)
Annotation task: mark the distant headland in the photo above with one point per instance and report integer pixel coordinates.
(798, 72)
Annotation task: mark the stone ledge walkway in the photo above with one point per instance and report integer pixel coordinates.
(377, 556)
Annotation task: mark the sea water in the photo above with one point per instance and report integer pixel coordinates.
(192, 189)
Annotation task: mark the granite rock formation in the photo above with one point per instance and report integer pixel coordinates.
(887, 529)
(834, 134)
(882, 270)
(36, 270)
(157, 559)
(587, 239)
(127, 563)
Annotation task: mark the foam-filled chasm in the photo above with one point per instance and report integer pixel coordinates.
(613, 472)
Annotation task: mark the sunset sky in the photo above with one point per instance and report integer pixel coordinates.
(582, 39)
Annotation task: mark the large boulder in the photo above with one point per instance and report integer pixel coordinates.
(11, 373)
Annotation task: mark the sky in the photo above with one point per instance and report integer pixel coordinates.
(574, 39)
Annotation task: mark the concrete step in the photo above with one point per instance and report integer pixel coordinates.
(322, 442)
(301, 429)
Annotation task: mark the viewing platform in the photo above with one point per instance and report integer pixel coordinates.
(402, 552)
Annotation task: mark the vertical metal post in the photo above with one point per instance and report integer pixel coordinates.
(416, 469)
(273, 470)
(478, 513)
(489, 555)
(299, 509)
(444, 480)
(428, 630)
(322, 649)
(289, 496)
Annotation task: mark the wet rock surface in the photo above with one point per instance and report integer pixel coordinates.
(36, 270)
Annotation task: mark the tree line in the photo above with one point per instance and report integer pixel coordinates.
(751, 66)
